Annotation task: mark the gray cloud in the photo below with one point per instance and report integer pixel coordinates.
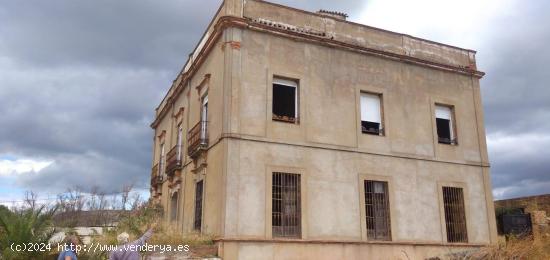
(517, 100)
(79, 81)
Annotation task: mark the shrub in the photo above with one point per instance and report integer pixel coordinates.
(23, 226)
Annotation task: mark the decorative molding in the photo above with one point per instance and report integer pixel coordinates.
(203, 83)
(162, 135)
(235, 45)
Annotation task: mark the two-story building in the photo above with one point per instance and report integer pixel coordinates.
(297, 135)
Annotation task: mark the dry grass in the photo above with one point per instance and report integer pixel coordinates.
(135, 223)
(516, 248)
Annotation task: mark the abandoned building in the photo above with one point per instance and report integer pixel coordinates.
(298, 135)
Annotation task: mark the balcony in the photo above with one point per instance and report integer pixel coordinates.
(154, 173)
(173, 160)
(197, 139)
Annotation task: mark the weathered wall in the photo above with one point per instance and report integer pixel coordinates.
(321, 251)
(330, 84)
(190, 101)
(530, 203)
(332, 206)
(361, 35)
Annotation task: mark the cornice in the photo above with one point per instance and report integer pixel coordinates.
(225, 22)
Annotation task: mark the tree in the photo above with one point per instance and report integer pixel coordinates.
(126, 189)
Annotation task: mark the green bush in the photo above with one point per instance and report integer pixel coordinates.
(24, 226)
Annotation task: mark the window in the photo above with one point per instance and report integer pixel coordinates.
(377, 210)
(444, 123)
(371, 116)
(204, 118)
(162, 160)
(180, 142)
(285, 100)
(455, 217)
(174, 207)
(198, 206)
(286, 215)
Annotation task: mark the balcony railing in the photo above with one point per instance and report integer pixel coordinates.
(173, 160)
(154, 173)
(197, 138)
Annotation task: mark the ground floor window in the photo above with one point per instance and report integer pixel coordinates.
(198, 205)
(377, 210)
(174, 207)
(286, 212)
(455, 216)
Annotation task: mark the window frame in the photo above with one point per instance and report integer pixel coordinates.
(381, 127)
(362, 177)
(387, 209)
(200, 220)
(294, 180)
(179, 141)
(466, 199)
(174, 214)
(270, 169)
(452, 124)
(162, 159)
(289, 82)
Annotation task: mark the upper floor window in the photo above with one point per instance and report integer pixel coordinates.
(162, 160)
(444, 123)
(371, 114)
(204, 117)
(180, 142)
(285, 100)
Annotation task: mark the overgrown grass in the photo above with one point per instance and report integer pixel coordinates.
(516, 248)
(136, 223)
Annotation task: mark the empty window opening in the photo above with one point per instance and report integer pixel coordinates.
(455, 216)
(377, 210)
(198, 205)
(444, 123)
(285, 100)
(286, 213)
(371, 116)
(174, 207)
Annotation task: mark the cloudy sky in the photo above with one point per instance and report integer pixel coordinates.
(79, 81)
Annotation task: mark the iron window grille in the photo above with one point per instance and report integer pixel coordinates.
(455, 216)
(198, 205)
(377, 210)
(286, 212)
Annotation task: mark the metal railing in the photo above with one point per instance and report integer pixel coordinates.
(197, 138)
(173, 159)
(154, 172)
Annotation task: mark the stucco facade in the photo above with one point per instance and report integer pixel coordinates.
(332, 61)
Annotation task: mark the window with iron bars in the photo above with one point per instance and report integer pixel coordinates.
(377, 210)
(455, 216)
(198, 205)
(286, 211)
